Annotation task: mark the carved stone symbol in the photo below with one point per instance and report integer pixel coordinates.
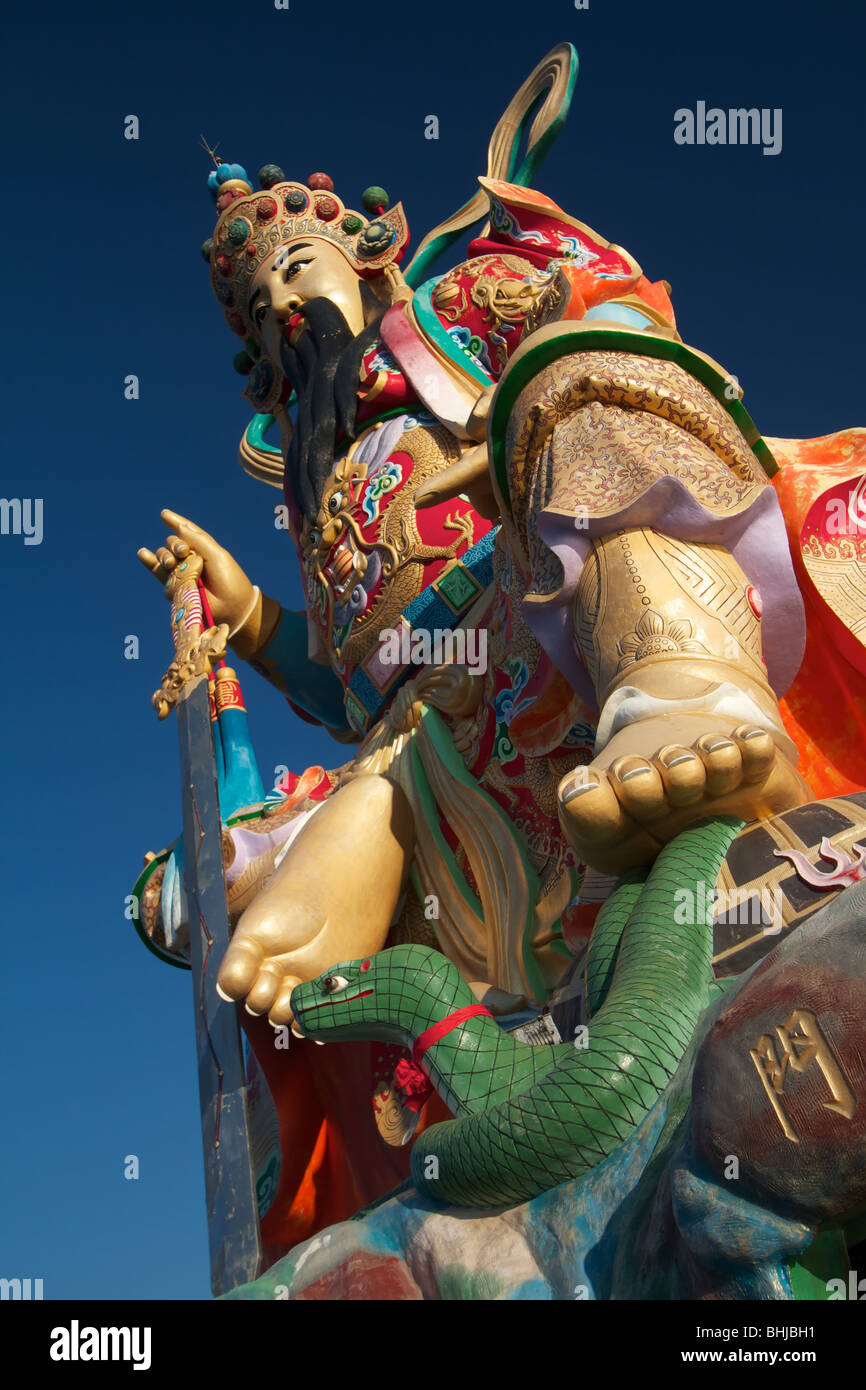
(802, 1043)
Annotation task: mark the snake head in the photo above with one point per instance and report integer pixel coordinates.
(340, 1003)
(381, 998)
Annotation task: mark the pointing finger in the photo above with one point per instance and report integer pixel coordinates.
(200, 541)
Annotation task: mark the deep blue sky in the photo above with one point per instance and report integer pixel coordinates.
(104, 277)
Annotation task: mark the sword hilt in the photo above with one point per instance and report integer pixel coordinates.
(196, 647)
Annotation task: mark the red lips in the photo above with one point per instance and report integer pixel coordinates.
(292, 325)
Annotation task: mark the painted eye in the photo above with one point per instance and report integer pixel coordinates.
(259, 314)
(334, 984)
(335, 502)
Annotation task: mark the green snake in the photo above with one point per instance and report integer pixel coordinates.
(530, 1118)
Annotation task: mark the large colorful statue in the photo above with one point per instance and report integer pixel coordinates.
(594, 649)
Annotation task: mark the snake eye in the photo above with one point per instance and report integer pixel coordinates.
(333, 984)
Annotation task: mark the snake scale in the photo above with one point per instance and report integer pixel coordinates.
(529, 1117)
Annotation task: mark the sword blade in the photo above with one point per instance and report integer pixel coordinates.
(232, 1209)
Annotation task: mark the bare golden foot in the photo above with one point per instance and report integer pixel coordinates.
(332, 898)
(619, 810)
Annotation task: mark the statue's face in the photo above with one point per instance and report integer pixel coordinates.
(300, 271)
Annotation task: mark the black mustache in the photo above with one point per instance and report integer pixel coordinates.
(324, 367)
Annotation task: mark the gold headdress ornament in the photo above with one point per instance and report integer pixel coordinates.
(253, 225)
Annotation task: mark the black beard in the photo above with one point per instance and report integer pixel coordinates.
(324, 368)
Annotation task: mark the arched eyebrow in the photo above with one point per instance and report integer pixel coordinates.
(280, 262)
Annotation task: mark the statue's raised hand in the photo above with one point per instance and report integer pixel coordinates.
(230, 593)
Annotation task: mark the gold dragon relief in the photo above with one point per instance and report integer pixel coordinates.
(196, 647)
(502, 298)
(364, 556)
(508, 299)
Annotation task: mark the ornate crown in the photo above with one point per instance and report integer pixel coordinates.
(252, 225)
